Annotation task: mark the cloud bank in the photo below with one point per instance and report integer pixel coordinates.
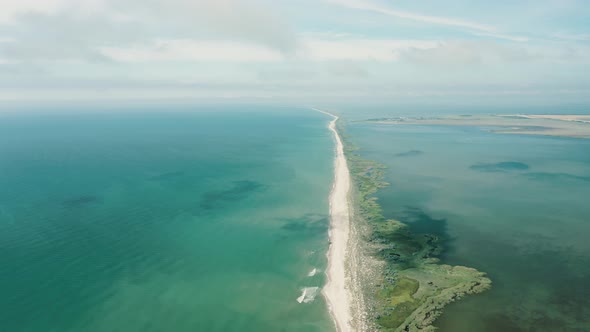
(280, 48)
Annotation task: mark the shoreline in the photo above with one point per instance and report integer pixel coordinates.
(336, 291)
(395, 281)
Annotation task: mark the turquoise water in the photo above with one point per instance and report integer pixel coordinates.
(206, 221)
(513, 206)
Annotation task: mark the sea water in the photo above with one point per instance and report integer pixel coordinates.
(513, 206)
(164, 221)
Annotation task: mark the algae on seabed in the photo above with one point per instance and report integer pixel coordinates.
(413, 286)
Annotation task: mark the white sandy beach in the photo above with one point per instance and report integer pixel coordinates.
(337, 291)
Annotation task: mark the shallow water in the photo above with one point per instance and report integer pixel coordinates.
(513, 206)
(163, 221)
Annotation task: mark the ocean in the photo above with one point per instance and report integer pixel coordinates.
(213, 220)
(513, 206)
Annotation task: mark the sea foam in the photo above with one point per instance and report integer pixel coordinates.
(308, 294)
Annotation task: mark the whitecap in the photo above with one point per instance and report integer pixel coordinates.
(312, 272)
(308, 294)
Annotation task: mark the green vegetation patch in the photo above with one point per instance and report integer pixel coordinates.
(401, 301)
(401, 292)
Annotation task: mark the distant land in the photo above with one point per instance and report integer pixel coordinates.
(539, 124)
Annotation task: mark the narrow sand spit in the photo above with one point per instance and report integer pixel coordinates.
(336, 291)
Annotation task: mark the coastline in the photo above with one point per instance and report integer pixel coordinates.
(381, 276)
(337, 291)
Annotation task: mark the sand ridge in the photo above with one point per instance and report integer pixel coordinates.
(337, 291)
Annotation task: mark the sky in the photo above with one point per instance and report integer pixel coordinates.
(297, 50)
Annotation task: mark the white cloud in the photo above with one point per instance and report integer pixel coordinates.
(69, 30)
(359, 49)
(312, 49)
(347, 70)
(12, 8)
(502, 36)
(194, 50)
(366, 5)
(479, 28)
(37, 36)
(571, 36)
(468, 52)
(206, 48)
(257, 21)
